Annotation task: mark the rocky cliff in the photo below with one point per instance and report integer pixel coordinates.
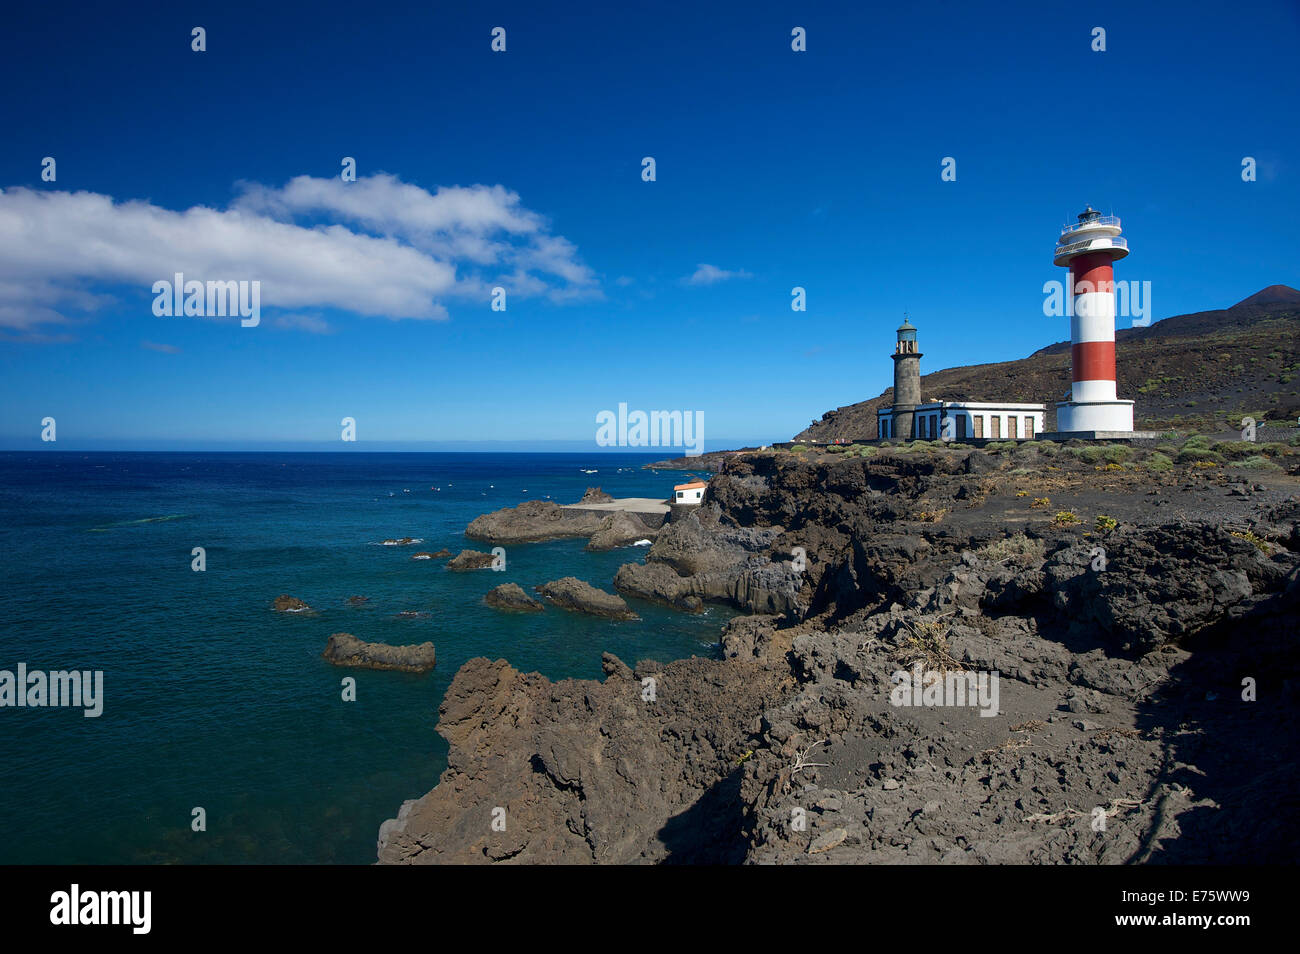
(1137, 607)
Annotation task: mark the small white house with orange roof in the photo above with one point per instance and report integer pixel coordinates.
(691, 492)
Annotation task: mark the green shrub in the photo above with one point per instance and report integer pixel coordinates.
(1196, 455)
(1090, 455)
(1016, 547)
(1158, 462)
(800, 448)
(1197, 442)
(1257, 463)
(1235, 450)
(1260, 544)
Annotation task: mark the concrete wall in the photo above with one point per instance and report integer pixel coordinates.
(678, 512)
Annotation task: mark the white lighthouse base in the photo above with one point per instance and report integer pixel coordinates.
(1113, 416)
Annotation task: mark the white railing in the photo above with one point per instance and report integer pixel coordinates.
(1101, 220)
(1112, 242)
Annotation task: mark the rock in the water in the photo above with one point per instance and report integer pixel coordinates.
(698, 559)
(399, 541)
(572, 593)
(470, 560)
(619, 529)
(358, 600)
(511, 597)
(658, 584)
(442, 554)
(534, 521)
(344, 649)
(595, 495)
(289, 604)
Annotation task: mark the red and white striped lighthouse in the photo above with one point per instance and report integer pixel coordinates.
(1088, 249)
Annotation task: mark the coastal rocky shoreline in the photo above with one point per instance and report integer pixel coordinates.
(1137, 605)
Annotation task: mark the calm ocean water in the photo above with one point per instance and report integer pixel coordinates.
(212, 699)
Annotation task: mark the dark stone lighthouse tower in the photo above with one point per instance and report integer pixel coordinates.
(907, 382)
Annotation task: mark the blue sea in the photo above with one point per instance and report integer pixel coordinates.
(213, 700)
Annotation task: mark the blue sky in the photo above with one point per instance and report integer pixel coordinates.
(775, 168)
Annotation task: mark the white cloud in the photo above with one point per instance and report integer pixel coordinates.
(376, 246)
(301, 321)
(711, 275)
(160, 348)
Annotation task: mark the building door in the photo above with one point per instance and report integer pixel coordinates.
(995, 427)
(1029, 427)
(978, 421)
(961, 426)
(1011, 427)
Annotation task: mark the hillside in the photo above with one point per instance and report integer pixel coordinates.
(1190, 372)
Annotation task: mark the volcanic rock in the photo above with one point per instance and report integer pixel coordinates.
(533, 522)
(344, 649)
(573, 594)
(620, 529)
(289, 604)
(470, 560)
(511, 597)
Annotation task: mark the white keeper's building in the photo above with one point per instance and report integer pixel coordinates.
(691, 492)
(961, 420)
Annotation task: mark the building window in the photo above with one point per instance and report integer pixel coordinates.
(1011, 426)
(1029, 427)
(961, 426)
(978, 421)
(995, 427)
